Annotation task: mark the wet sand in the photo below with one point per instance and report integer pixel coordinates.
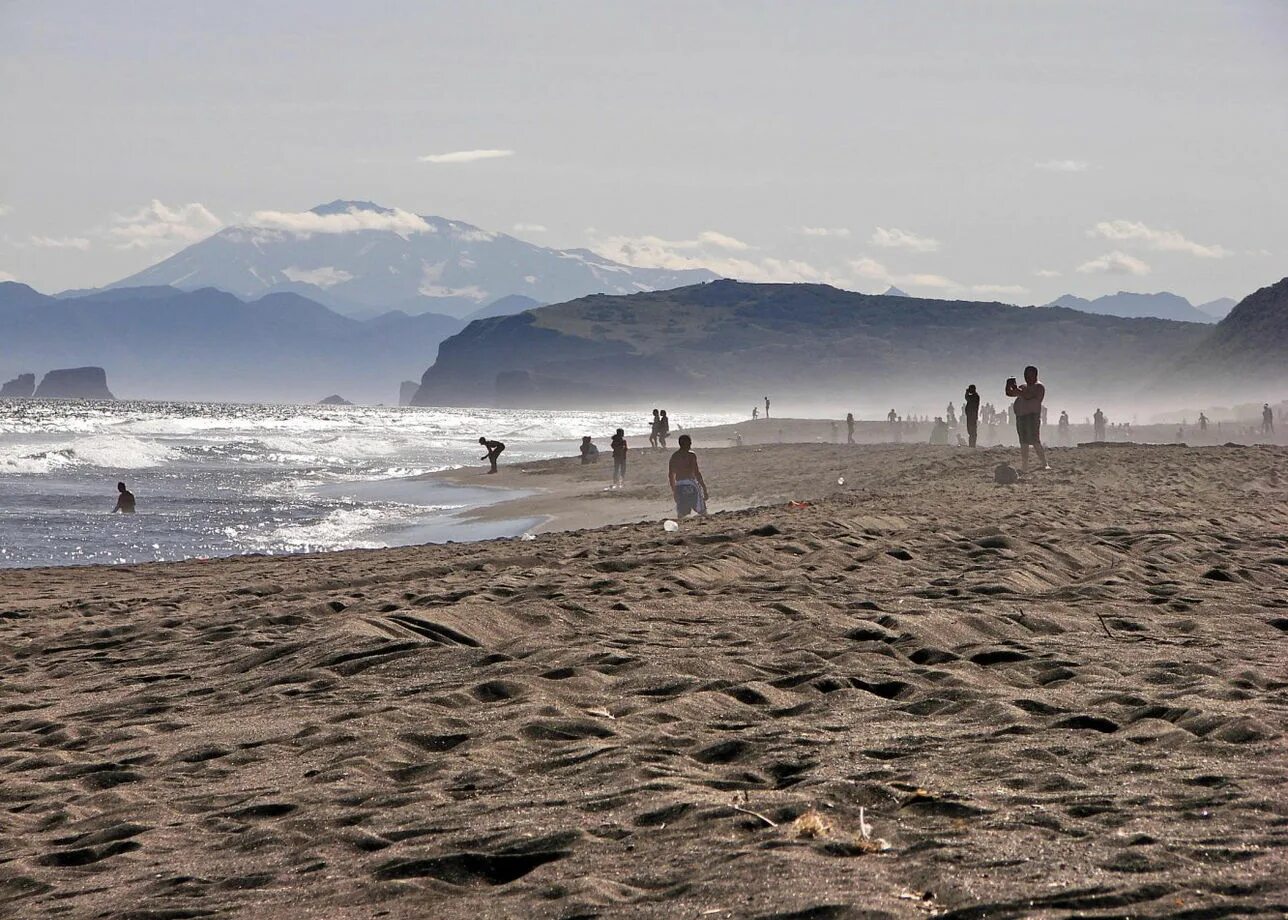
(1065, 698)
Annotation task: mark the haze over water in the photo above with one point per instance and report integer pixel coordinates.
(219, 480)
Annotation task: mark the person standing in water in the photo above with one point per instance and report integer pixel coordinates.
(494, 449)
(849, 428)
(687, 484)
(124, 500)
(618, 444)
(970, 412)
(1028, 398)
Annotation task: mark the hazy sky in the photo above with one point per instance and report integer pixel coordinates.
(990, 150)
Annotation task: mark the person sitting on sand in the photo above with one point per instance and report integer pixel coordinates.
(849, 428)
(1028, 415)
(939, 433)
(687, 484)
(589, 452)
(618, 443)
(124, 500)
(494, 449)
(970, 414)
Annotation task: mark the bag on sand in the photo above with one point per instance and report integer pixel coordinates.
(1005, 475)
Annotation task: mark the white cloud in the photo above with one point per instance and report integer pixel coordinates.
(1064, 166)
(305, 223)
(1014, 290)
(1114, 263)
(869, 268)
(894, 238)
(1161, 240)
(721, 241)
(465, 156)
(529, 228)
(324, 277)
(825, 231)
(1047, 273)
(656, 252)
(158, 225)
(60, 242)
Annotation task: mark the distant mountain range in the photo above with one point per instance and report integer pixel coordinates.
(362, 259)
(1163, 305)
(164, 343)
(729, 343)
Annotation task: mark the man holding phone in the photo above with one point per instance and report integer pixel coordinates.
(1028, 398)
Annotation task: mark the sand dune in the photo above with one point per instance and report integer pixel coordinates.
(1065, 698)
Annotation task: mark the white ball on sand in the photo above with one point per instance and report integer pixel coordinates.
(670, 526)
(527, 536)
(840, 480)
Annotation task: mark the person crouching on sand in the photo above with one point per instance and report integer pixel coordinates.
(687, 485)
(1028, 415)
(494, 449)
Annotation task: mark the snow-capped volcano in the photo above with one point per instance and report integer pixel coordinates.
(360, 258)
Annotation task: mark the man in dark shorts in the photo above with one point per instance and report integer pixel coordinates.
(1028, 398)
(970, 412)
(494, 449)
(687, 485)
(124, 500)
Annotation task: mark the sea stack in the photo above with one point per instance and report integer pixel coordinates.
(75, 383)
(21, 387)
(407, 391)
(334, 400)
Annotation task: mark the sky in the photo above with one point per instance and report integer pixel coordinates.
(994, 150)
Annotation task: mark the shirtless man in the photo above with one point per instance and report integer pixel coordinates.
(124, 500)
(1028, 398)
(494, 449)
(687, 485)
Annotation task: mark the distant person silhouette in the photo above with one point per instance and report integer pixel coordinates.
(494, 449)
(939, 433)
(619, 458)
(1203, 420)
(755, 413)
(1098, 425)
(589, 452)
(663, 429)
(849, 428)
(124, 500)
(687, 484)
(652, 436)
(766, 407)
(1267, 419)
(1063, 425)
(1028, 415)
(951, 415)
(970, 412)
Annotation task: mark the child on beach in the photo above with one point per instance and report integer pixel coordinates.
(618, 444)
